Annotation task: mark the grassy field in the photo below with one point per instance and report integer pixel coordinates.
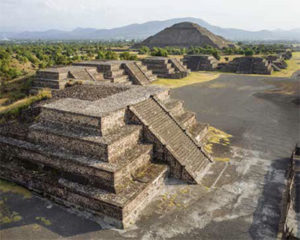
(194, 77)
(293, 66)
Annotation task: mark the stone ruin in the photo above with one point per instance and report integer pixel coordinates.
(248, 65)
(287, 55)
(290, 204)
(277, 62)
(185, 35)
(107, 148)
(166, 67)
(125, 72)
(200, 62)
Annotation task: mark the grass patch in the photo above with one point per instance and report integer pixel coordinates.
(14, 110)
(44, 221)
(194, 77)
(293, 66)
(7, 187)
(216, 136)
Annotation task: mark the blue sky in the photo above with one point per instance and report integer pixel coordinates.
(21, 15)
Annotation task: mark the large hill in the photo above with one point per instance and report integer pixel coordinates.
(144, 30)
(185, 34)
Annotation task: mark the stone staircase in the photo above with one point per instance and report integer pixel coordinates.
(126, 72)
(139, 74)
(184, 155)
(179, 67)
(115, 73)
(166, 67)
(200, 62)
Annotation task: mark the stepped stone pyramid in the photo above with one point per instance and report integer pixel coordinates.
(248, 65)
(166, 67)
(185, 34)
(108, 155)
(200, 62)
(125, 72)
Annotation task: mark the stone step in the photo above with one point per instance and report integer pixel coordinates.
(163, 70)
(114, 74)
(102, 124)
(53, 84)
(186, 159)
(81, 75)
(95, 75)
(89, 171)
(198, 131)
(106, 148)
(186, 119)
(121, 79)
(136, 74)
(177, 65)
(174, 106)
(153, 61)
(121, 209)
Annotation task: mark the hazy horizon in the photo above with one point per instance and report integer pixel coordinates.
(39, 15)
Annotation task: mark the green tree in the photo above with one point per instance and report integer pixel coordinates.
(128, 56)
(248, 52)
(144, 50)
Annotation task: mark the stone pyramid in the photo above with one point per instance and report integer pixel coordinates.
(185, 34)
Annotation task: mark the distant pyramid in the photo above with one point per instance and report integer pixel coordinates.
(185, 34)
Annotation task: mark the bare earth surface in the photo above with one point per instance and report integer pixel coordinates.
(261, 113)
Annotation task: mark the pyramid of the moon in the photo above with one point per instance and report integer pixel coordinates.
(185, 34)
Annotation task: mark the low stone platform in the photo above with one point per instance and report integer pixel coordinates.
(108, 150)
(59, 77)
(125, 72)
(248, 65)
(122, 71)
(166, 67)
(200, 62)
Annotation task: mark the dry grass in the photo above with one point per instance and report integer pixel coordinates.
(194, 77)
(293, 66)
(13, 111)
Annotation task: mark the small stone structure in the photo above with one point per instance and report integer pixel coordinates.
(57, 78)
(166, 67)
(287, 55)
(200, 62)
(126, 72)
(248, 65)
(277, 62)
(108, 151)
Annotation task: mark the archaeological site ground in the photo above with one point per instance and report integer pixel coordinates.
(143, 144)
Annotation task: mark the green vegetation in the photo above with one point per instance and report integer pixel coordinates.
(144, 50)
(13, 111)
(128, 56)
(161, 52)
(248, 52)
(239, 49)
(23, 58)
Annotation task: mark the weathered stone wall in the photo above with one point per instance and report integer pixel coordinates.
(248, 65)
(200, 62)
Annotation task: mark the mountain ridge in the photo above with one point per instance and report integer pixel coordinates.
(141, 31)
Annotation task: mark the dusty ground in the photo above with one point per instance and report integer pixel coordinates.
(243, 204)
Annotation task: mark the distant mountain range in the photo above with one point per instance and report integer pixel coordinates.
(144, 30)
